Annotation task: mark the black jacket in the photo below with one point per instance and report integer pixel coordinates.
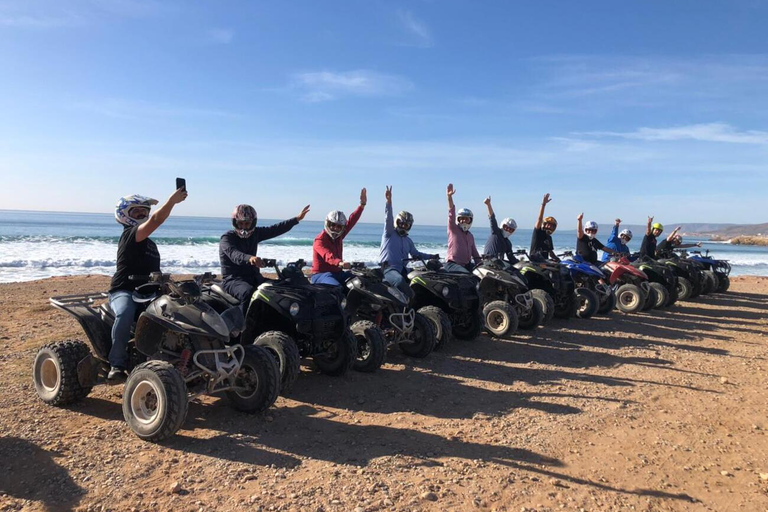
(235, 251)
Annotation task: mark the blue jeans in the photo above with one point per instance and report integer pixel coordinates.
(331, 278)
(124, 308)
(398, 280)
(455, 267)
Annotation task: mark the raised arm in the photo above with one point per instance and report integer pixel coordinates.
(673, 233)
(648, 227)
(449, 191)
(389, 220)
(579, 227)
(492, 217)
(355, 215)
(614, 236)
(160, 215)
(540, 218)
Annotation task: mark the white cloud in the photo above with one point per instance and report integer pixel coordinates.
(328, 85)
(419, 34)
(220, 35)
(711, 132)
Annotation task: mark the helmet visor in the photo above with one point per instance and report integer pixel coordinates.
(335, 228)
(464, 220)
(138, 212)
(404, 225)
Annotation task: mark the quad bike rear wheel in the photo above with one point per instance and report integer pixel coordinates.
(441, 324)
(422, 339)
(711, 283)
(724, 282)
(500, 318)
(54, 372)
(587, 303)
(339, 357)
(155, 400)
(286, 354)
(470, 330)
(258, 381)
(650, 299)
(607, 304)
(629, 298)
(568, 308)
(371, 346)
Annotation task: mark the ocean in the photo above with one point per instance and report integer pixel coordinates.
(36, 245)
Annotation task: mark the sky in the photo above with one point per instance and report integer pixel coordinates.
(618, 109)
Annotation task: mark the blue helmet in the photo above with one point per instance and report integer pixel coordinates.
(128, 203)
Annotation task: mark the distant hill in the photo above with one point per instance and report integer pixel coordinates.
(728, 230)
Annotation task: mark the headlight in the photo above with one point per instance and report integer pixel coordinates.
(397, 294)
(445, 291)
(294, 309)
(344, 303)
(354, 283)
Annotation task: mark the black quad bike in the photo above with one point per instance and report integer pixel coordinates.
(692, 281)
(382, 316)
(507, 302)
(181, 348)
(555, 281)
(449, 300)
(663, 288)
(293, 318)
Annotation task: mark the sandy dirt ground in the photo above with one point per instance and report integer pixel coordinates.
(648, 412)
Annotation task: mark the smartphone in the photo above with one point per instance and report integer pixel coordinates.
(181, 183)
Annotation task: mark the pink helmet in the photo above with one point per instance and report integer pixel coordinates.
(244, 213)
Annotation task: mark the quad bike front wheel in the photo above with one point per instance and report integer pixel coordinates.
(724, 282)
(500, 318)
(371, 346)
(587, 303)
(441, 325)
(629, 298)
(286, 353)
(257, 382)
(711, 283)
(422, 338)
(339, 355)
(662, 295)
(546, 303)
(54, 372)
(532, 317)
(650, 299)
(684, 288)
(155, 400)
(470, 329)
(607, 304)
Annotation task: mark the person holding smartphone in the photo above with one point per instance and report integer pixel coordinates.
(136, 255)
(240, 266)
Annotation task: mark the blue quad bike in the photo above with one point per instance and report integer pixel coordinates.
(718, 270)
(594, 295)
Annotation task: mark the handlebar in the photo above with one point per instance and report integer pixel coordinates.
(357, 265)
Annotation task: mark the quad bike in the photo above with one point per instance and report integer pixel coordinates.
(181, 348)
(690, 276)
(664, 286)
(449, 300)
(594, 296)
(292, 319)
(381, 316)
(720, 269)
(507, 303)
(555, 281)
(630, 285)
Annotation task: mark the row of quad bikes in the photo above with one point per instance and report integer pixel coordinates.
(191, 338)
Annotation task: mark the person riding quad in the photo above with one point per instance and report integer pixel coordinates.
(499, 245)
(137, 255)
(328, 265)
(648, 247)
(618, 241)
(586, 243)
(673, 241)
(396, 246)
(461, 243)
(541, 241)
(240, 266)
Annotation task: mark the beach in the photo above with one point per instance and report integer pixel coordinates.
(663, 410)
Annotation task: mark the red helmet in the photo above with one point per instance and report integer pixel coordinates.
(244, 213)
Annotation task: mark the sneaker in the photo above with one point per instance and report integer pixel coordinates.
(116, 373)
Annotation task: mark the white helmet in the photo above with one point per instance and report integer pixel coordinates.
(589, 226)
(508, 223)
(465, 212)
(627, 233)
(334, 223)
(128, 203)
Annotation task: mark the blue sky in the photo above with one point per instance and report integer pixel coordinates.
(617, 108)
